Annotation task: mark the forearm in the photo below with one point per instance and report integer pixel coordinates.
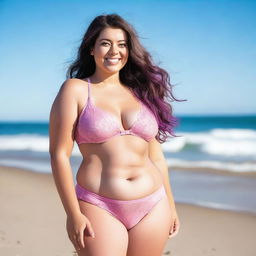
(163, 168)
(62, 174)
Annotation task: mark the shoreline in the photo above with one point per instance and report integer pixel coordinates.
(213, 171)
(49, 176)
(204, 182)
(31, 212)
(204, 170)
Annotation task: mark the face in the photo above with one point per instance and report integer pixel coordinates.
(110, 50)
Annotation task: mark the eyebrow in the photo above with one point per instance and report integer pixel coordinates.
(110, 40)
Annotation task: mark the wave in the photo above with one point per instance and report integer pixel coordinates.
(28, 142)
(223, 142)
(219, 142)
(217, 165)
(216, 205)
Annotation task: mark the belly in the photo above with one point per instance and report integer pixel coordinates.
(126, 182)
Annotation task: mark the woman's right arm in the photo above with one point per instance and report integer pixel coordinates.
(63, 116)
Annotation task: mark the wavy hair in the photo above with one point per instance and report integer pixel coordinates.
(149, 82)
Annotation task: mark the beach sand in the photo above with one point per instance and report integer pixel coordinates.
(32, 222)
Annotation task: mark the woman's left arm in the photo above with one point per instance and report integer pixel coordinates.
(163, 168)
(157, 157)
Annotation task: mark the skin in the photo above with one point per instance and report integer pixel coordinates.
(124, 167)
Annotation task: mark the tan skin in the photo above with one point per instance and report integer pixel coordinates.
(124, 167)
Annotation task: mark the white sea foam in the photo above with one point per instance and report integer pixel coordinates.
(229, 166)
(24, 142)
(175, 144)
(223, 142)
(37, 143)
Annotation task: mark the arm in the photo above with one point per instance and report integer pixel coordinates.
(63, 116)
(61, 132)
(157, 157)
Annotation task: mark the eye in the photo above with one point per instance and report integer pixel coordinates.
(123, 45)
(104, 43)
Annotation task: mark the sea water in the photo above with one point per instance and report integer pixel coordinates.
(225, 144)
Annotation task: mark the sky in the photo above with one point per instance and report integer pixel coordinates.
(207, 47)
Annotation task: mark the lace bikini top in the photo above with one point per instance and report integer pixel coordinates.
(96, 125)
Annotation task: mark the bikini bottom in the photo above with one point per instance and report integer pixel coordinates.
(129, 212)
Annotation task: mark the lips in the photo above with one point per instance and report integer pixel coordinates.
(112, 60)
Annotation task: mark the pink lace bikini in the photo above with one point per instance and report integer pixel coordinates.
(97, 126)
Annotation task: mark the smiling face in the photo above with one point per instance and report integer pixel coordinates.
(110, 50)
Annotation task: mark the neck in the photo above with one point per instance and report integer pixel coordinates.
(105, 80)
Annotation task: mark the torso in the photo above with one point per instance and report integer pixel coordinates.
(118, 168)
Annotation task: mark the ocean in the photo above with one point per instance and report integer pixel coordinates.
(223, 144)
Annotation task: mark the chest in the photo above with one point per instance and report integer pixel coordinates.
(123, 107)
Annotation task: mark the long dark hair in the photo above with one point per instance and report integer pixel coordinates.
(149, 83)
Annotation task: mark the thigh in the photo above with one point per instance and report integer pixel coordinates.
(111, 236)
(149, 236)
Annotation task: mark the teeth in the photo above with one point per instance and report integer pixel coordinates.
(114, 61)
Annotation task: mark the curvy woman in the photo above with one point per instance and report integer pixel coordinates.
(114, 105)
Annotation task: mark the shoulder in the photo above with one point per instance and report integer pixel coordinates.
(74, 84)
(69, 97)
(74, 87)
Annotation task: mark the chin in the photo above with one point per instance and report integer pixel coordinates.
(113, 70)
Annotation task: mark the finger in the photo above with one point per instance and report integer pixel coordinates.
(172, 228)
(176, 227)
(81, 238)
(75, 242)
(173, 234)
(90, 230)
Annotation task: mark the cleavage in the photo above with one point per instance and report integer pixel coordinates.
(126, 118)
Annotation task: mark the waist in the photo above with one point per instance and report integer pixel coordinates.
(123, 183)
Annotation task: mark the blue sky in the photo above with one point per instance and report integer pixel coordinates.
(208, 48)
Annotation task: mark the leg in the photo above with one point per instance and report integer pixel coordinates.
(111, 237)
(149, 236)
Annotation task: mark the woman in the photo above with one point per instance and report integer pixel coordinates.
(114, 105)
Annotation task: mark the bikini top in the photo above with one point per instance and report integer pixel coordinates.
(96, 125)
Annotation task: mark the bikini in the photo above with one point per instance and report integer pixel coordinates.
(96, 125)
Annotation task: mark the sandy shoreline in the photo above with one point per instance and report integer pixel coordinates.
(32, 222)
(214, 171)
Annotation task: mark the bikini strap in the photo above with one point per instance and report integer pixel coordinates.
(89, 88)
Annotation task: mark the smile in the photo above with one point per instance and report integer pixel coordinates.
(112, 60)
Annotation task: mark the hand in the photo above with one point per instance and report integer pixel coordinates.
(76, 226)
(175, 226)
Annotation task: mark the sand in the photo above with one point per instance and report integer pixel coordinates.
(32, 222)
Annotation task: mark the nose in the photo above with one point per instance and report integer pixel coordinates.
(113, 50)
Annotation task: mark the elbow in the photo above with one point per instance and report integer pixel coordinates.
(55, 155)
(59, 161)
(52, 155)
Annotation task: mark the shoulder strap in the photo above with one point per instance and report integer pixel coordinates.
(89, 88)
